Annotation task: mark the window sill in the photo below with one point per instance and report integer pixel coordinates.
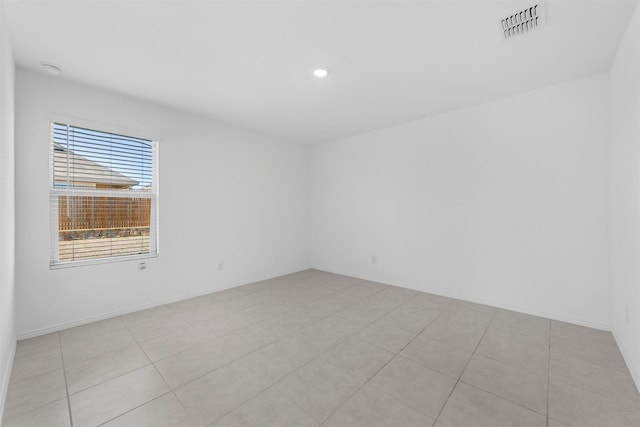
(70, 264)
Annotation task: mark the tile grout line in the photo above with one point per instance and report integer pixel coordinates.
(132, 409)
(548, 372)
(466, 365)
(66, 385)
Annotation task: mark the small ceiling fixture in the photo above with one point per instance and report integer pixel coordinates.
(320, 73)
(51, 69)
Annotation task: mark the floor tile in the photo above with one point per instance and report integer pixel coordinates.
(150, 315)
(191, 303)
(210, 397)
(531, 330)
(574, 406)
(164, 411)
(554, 423)
(438, 356)
(409, 319)
(208, 312)
(79, 347)
(381, 303)
(268, 409)
(466, 314)
(424, 389)
(110, 399)
(344, 280)
(534, 338)
(475, 311)
(386, 337)
(104, 367)
(37, 345)
(366, 288)
(37, 363)
(470, 406)
(172, 343)
(188, 365)
(224, 323)
(370, 407)
(319, 388)
(55, 414)
(89, 330)
(398, 294)
(160, 327)
(340, 326)
(588, 344)
(519, 386)
(358, 358)
(464, 337)
(596, 379)
(279, 359)
(463, 305)
(521, 321)
(29, 394)
(426, 301)
(292, 321)
(517, 353)
(339, 301)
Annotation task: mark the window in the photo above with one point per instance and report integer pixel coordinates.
(103, 196)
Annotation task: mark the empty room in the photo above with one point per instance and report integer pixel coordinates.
(320, 213)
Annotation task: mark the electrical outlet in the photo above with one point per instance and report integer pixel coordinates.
(220, 266)
(374, 259)
(626, 314)
(142, 266)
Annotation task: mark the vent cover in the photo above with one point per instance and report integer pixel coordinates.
(523, 21)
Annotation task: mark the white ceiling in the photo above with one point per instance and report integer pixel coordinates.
(250, 63)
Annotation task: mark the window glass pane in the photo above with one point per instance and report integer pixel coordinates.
(103, 197)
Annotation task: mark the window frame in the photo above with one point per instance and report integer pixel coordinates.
(154, 197)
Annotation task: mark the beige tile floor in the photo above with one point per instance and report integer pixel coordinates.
(314, 348)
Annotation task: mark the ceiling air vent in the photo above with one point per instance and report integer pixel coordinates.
(523, 21)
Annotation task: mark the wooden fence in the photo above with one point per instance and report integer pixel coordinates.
(91, 216)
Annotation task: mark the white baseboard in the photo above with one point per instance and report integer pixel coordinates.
(66, 325)
(6, 378)
(632, 368)
(511, 307)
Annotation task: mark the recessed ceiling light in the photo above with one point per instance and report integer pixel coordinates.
(51, 69)
(320, 73)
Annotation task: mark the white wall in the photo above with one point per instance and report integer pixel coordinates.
(225, 195)
(505, 203)
(625, 195)
(7, 213)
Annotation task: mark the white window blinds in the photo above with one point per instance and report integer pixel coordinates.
(103, 196)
